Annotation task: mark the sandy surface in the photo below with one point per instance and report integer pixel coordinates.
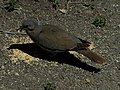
(24, 66)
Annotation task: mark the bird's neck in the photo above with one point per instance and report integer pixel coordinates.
(34, 35)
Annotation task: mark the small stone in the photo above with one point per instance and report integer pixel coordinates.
(88, 81)
(17, 74)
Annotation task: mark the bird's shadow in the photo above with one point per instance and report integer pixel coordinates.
(67, 58)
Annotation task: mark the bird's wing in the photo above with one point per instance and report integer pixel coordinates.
(54, 38)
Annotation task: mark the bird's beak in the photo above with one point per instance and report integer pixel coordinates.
(20, 29)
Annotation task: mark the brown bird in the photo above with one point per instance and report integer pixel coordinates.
(55, 40)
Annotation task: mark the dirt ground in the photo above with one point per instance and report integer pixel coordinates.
(24, 66)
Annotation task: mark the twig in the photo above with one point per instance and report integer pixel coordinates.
(12, 33)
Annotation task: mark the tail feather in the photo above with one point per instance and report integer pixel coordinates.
(93, 56)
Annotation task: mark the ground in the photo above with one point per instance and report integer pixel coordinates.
(24, 66)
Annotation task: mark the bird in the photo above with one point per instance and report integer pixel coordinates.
(54, 39)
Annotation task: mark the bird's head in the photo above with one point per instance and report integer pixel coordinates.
(27, 25)
(30, 27)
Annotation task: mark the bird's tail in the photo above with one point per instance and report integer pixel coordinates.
(93, 56)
